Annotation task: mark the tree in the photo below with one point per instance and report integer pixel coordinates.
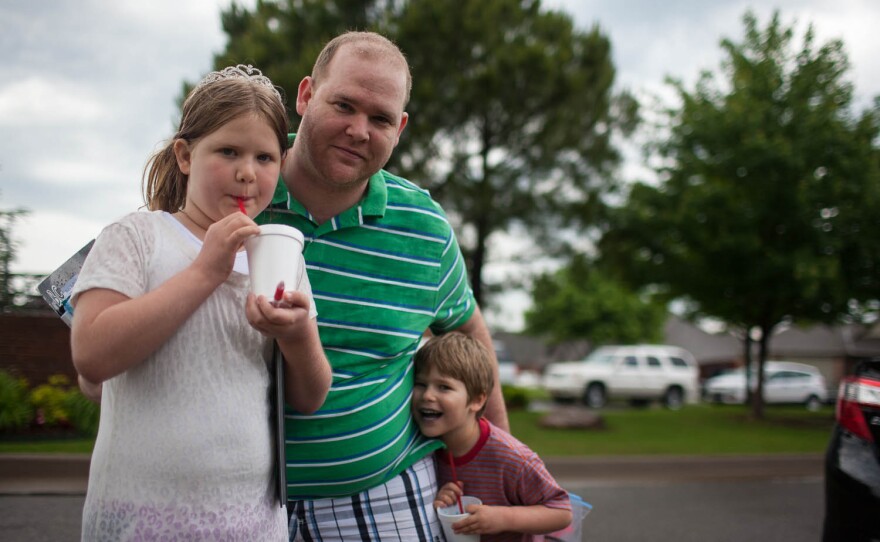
(512, 117)
(511, 114)
(8, 247)
(579, 302)
(766, 211)
(283, 37)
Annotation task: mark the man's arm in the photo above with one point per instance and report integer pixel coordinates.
(496, 411)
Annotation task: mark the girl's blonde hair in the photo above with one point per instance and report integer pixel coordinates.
(459, 356)
(216, 100)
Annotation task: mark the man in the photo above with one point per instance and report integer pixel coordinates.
(384, 266)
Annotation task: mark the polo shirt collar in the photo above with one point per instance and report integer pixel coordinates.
(373, 204)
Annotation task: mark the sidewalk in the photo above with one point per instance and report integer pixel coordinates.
(619, 470)
(67, 474)
(44, 474)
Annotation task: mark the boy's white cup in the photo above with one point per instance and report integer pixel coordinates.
(274, 255)
(451, 514)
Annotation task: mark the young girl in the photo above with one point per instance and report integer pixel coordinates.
(164, 319)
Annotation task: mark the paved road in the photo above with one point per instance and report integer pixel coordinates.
(677, 499)
(766, 510)
(732, 511)
(40, 518)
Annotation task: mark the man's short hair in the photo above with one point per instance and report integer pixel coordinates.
(367, 43)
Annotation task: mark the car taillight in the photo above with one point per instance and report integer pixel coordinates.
(856, 394)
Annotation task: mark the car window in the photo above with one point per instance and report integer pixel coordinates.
(602, 359)
(678, 362)
(631, 361)
(653, 363)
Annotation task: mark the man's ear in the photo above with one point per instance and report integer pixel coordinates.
(183, 155)
(304, 94)
(403, 119)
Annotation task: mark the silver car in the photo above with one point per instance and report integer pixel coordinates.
(784, 382)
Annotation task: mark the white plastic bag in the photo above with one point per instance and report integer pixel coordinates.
(573, 533)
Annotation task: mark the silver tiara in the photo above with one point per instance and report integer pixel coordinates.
(241, 71)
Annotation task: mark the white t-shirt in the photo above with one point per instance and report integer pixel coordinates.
(184, 447)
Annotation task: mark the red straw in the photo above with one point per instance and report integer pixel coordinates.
(241, 205)
(455, 479)
(279, 291)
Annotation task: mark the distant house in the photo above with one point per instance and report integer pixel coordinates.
(36, 344)
(834, 350)
(714, 352)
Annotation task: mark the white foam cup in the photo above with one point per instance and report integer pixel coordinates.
(275, 255)
(451, 514)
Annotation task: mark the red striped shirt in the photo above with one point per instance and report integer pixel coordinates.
(502, 471)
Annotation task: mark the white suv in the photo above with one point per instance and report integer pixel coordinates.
(639, 373)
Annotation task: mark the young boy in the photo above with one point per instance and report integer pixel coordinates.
(453, 377)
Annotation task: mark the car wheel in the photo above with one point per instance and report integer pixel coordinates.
(594, 396)
(674, 398)
(813, 403)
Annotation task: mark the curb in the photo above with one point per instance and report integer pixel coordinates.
(44, 474)
(605, 470)
(68, 474)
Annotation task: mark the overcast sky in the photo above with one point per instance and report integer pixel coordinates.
(88, 89)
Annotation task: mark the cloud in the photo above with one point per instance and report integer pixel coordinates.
(52, 239)
(682, 37)
(87, 93)
(35, 101)
(88, 90)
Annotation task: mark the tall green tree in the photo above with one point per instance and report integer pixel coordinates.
(512, 117)
(580, 302)
(766, 212)
(283, 37)
(512, 113)
(8, 247)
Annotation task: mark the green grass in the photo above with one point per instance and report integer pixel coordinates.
(698, 429)
(46, 446)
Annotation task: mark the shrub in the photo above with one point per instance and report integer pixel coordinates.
(16, 411)
(48, 400)
(515, 398)
(82, 413)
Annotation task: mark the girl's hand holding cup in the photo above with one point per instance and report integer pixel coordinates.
(223, 239)
(285, 319)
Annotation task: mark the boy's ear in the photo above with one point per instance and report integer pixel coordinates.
(477, 402)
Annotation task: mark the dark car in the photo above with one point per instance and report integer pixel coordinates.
(852, 463)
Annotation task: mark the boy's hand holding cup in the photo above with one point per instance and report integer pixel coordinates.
(451, 515)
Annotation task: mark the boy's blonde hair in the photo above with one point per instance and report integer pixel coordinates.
(461, 357)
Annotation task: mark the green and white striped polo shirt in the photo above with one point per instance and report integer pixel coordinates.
(382, 273)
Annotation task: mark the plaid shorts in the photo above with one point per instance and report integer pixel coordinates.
(400, 510)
